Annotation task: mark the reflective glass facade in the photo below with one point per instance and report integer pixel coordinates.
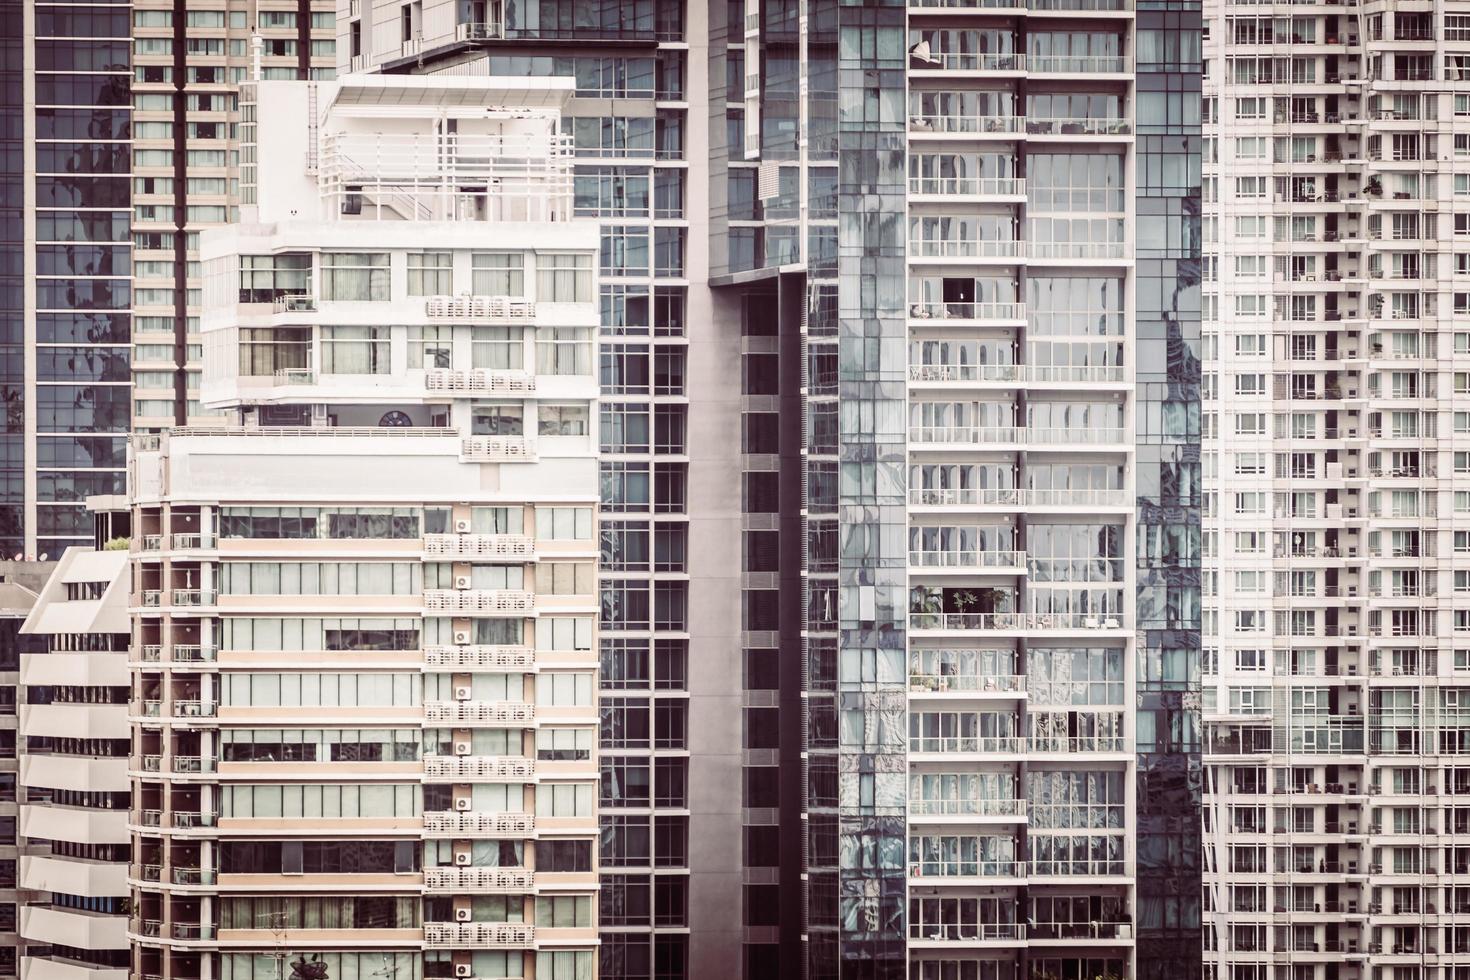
(1169, 490)
(872, 448)
(78, 410)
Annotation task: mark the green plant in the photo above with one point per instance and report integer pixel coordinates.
(116, 544)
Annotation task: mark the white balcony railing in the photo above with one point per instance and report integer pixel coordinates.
(479, 935)
(482, 768)
(479, 600)
(481, 546)
(497, 308)
(475, 823)
(967, 559)
(987, 435)
(484, 656)
(479, 881)
(967, 311)
(968, 186)
(478, 381)
(1004, 621)
(497, 449)
(480, 712)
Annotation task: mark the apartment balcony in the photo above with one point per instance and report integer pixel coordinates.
(964, 685)
(515, 177)
(1039, 251)
(480, 768)
(966, 935)
(475, 823)
(964, 436)
(1074, 126)
(928, 873)
(958, 375)
(481, 601)
(969, 188)
(479, 547)
(478, 881)
(967, 61)
(56, 925)
(1017, 622)
(480, 712)
(497, 449)
(960, 810)
(480, 657)
(966, 125)
(481, 309)
(1034, 6)
(968, 313)
(193, 542)
(1015, 498)
(999, 562)
(1061, 64)
(1082, 868)
(1076, 744)
(479, 935)
(480, 381)
(947, 745)
(54, 967)
(1081, 933)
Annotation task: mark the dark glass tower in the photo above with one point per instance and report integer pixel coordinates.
(1169, 490)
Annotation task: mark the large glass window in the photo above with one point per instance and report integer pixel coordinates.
(355, 276)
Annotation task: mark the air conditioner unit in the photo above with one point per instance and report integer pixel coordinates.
(462, 970)
(462, 527)
(462, 803)
(461, 748)
(461, 915)
(461, 581)
(462, 693)
(1352, 552)
(461, 636)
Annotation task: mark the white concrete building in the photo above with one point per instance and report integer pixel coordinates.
(366, 610)
(1337, 160)
(73, 729)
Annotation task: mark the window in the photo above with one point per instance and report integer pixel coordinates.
(355, 276)
(498, 274)
(564, 278)
(564, 350)
(430, 273)
(562, 420)
(355, 350)
(430, 347)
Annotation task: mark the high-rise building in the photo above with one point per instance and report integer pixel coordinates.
(66, 296)
(674, 752)
(73, 750)
(944, 611)
(365, 609)
(188, 65)
(1337, 141)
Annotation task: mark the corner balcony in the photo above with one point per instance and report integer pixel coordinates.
(480, 768)
(480, 381)
(479, 935)
(475, 823)
(480, 712)
(478, 881)
(967, 125)
(966, 685)
(483, 601)
(480, 656)
(473, 547)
